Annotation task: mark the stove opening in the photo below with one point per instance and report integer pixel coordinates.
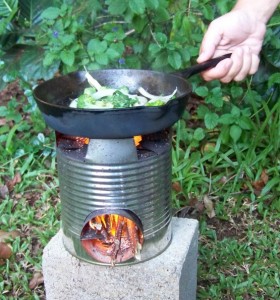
(145, 146)
(112, 236)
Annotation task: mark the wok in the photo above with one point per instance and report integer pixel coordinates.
(54, 96)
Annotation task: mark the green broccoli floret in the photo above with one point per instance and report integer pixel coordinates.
(85, 101)
(120, 100)
(155, 103)
(89, 91)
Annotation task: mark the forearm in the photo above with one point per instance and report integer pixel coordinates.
(261, 9)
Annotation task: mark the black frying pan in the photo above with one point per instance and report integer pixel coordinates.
(54, 96)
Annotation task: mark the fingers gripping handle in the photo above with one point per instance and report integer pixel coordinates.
(209, 64)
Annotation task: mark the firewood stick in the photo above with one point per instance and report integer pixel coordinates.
(117, 240)
(132, 236)
(108, 223)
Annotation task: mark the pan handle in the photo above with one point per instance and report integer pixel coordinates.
(208, 64)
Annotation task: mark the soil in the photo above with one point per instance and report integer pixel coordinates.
(13, 90)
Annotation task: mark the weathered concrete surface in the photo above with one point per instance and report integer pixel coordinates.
(171, 275)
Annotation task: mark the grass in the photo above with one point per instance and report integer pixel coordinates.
(239, 258)
(238, 247)
(32, 204)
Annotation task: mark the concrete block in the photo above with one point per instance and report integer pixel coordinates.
(171, 275)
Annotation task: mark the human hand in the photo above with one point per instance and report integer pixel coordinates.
(237, 32)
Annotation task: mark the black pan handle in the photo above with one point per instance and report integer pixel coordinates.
(208, 64)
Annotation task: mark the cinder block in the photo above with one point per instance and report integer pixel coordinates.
(171, 275)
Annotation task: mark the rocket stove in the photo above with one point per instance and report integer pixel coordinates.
(114, 168)
(115, 197)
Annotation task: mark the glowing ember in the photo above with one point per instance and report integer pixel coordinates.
(68, 141)
(137, 140)
(112, 238)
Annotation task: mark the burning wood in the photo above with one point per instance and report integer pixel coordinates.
(112, 239)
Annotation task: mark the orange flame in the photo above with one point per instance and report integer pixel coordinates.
(120, 239)
(137, 140)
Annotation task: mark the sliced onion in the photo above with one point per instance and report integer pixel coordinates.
(74, 103)
(93, 82)
(103, 93)
(141, 100)
(143, 92)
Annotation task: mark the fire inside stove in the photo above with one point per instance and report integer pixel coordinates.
(112, 238)
(115, 196)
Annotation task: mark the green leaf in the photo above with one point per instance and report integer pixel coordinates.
(153, 4)
(113, 36)
(112, 54)
(58, 26)
(175, 60)
(8, 7)
(102, 58)
(51, 13)
(27, 62)
(216, 91)
(236, 91)
(9, 144)
(199, 134)
(270, 184)
(202, 110)
(67, 39)
(3, 111)
(160, 61)
(138, 47)
(119, 47)
(224, 135)
(208, 12)
(201, 91)
(215, 101)
(31, 11)
(67, 57)
(223, 6)
(172, 46)
(186, 55)
(244, 123)
(116, 7)
(275, 78)
(96, 46)
(235, 132)
(48, 59)
(92, 45)
(154, 49)
(235, 111)
(139, 22)
(102, 47)
(187, 26)
(161, 38)
(137, 6)
(133, 61)
(162, 15)
(4, 129)
(227, 119)
(211, 120)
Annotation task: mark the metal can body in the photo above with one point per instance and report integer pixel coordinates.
(143, 187)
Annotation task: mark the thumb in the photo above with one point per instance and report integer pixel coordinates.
(209, 44)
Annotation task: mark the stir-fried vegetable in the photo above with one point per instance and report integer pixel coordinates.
(98, 96)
